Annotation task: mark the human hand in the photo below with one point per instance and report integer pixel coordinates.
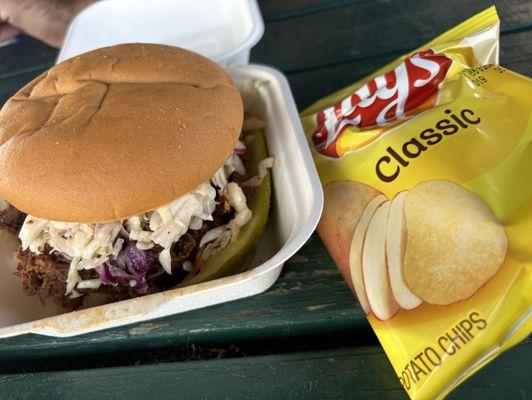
(46, 20)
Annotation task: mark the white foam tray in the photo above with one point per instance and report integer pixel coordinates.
(297, 202)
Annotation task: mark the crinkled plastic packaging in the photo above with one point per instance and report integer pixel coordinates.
(426, 167)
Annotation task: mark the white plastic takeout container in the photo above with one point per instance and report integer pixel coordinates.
(297, 201)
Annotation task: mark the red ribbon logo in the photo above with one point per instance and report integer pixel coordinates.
(383, 99)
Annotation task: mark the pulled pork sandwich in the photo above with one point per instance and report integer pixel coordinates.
(126, 173)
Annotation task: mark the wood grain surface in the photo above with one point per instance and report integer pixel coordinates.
(345, 373)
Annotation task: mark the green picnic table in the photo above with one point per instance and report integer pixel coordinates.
(305, 337)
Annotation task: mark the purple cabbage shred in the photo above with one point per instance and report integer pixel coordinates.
(137, 262)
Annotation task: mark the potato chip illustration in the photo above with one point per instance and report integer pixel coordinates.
(355, 253)
(396, 237)
(455, 243)
(345, 202)
(374, 266)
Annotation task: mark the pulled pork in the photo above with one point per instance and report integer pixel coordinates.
(11, 219)
(45, 275)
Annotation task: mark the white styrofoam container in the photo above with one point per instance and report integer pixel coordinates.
(297, 200)
(297, 197)
(223, 30)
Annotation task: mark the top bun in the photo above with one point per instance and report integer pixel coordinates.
(116, 132)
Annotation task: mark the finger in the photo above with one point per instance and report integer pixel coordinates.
(8, 31)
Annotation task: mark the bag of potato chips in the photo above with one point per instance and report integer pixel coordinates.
(426, 167)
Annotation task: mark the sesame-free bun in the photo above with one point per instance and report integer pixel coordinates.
(116, 132)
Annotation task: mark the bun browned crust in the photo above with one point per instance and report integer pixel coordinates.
(116, 132)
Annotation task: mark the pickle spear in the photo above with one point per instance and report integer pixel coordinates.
(237, 255)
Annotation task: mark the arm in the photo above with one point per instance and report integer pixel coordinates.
(47, 20)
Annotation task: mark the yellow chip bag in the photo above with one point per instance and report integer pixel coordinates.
(426, 167)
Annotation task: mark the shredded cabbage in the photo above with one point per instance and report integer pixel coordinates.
(240, 148)
(237, 199)
(91, 246)
(217, 238)
(73, 276)
(232, 164)
(212, 235)
(263, 167)
(87, 245)
(214, 247)
(164, 226)
(89, 284)
(130, 270)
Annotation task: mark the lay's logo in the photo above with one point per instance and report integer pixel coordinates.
(382, 100)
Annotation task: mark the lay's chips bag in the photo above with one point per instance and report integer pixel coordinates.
(426, 167)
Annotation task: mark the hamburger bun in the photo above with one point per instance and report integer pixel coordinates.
(116, 132)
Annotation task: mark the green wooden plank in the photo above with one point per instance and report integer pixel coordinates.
(276, 10)
(310, 375)
(25, 55)
(516, 52)
(372, 29)
(310, 85)
(313, 84)
(356, 372)
(310, 298)
(506, 377)
(11, 84)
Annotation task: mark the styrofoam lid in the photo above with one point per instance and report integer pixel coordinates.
(222, 30)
